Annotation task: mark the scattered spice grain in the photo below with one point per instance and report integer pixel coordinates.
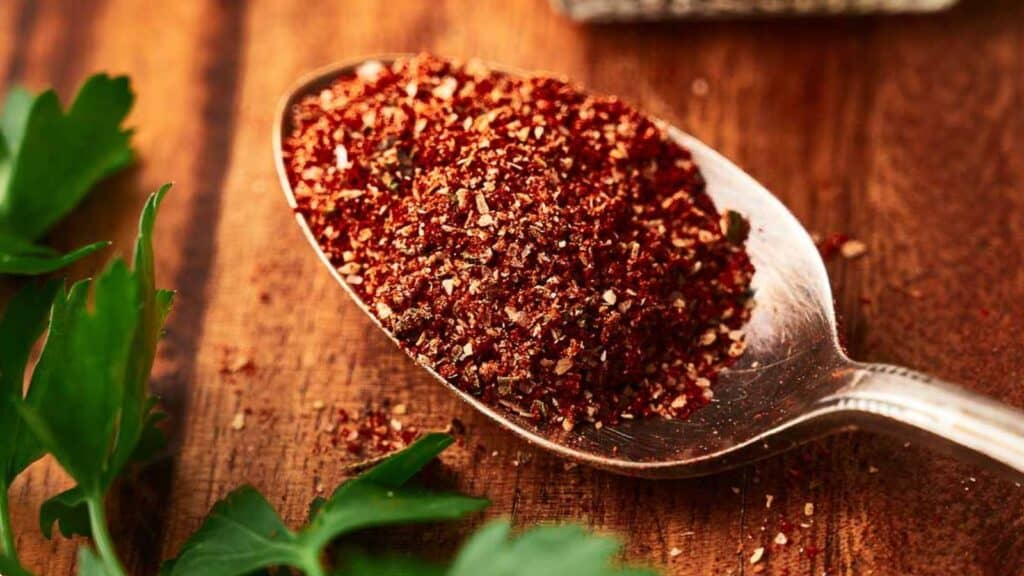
(839, 244)
(232, 362)
(853, 249)
(699, 87)
(372, 433)
(543, 249)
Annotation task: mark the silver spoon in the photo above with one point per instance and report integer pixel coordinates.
(793, 384)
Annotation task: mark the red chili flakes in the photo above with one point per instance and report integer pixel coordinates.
(546, 250)
(373, 433)
(362, 438)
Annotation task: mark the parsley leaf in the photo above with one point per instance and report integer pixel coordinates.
(360, 564)
(10, 567)
(542, 551)
(89, 564)
(20, 257)
(84, 364)
(20, 328)
(49, 160)
(97, 358)
(244, 534)
(52, 159)
(69, 511)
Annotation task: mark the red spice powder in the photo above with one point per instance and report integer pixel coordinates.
(546, 250)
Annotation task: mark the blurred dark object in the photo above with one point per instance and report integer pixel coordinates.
(613, 10)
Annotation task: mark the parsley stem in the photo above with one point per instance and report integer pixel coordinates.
(101, 535)
(6, 530)
(310, 563)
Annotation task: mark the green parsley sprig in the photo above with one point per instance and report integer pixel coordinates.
(539, 551)
(244, 534)
(49, 160)
(97, 357)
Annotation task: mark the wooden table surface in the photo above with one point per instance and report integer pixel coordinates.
(906, 132)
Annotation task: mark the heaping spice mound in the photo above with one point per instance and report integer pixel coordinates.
(543, 249)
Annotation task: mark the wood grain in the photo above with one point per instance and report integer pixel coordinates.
(905, 132)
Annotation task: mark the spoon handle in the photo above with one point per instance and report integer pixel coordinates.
(895, 400)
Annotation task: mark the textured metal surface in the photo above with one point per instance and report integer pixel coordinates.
(792, 385)
(611, 10)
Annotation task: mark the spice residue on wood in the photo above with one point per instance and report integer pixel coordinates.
(546, 250)
(370, 433)
(232, 362)
(839, 244)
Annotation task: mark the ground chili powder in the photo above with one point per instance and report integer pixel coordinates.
(546, 250)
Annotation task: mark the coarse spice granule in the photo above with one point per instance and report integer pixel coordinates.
(373, 432)
(546, 250)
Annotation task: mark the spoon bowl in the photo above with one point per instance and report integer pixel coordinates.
(792, 384)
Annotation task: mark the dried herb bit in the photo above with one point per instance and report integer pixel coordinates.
(735, 227)
(244, 533)
(49, 160)
(547, 250)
